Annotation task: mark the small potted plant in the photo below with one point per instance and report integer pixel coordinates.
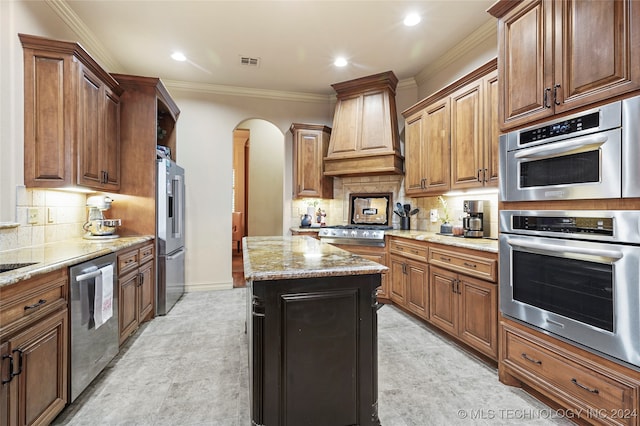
(446, 227)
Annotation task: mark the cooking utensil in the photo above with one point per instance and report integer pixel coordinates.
(407, 209)
(398, 213)
(414, 211)
(399, 207)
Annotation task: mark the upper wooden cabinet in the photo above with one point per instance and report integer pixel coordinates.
(310, 145)
(451, 137)
(71, 117)
(364, 140)
(148, 118)
(556, 56)
(474, 134)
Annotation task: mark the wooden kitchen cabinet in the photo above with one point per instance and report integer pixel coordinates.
(136, 288)
(465, 307)
(474, 134)
(556, 56)
(34, 349)
(451, 137)
(148, 118)
(409, 276)
(594, 389)
(71, 117)
(310, 146)
(375, 254)
(427, 150)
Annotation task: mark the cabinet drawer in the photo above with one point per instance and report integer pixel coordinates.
(128, 261)
(475, 266)
(25, 301)
(566, 377)
(146, 253)
(408, 249)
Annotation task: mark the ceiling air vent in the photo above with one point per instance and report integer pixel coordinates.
(249, 62)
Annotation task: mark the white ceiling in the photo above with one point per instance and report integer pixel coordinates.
(296, 41)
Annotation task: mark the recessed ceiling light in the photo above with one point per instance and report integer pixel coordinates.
(178, 56)
(412, 19)
(340, 62)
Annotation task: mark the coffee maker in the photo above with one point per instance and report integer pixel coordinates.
(476, 221)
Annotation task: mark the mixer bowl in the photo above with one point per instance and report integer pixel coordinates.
(102, 226)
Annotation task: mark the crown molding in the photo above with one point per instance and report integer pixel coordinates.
(483, 33)
(219, 89)
(87, 39)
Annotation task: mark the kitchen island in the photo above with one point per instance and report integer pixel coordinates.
(312, 327)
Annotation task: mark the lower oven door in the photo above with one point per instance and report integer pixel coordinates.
(583, 291)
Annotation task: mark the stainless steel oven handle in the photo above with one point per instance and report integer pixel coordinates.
(573, 146)
(608, 254)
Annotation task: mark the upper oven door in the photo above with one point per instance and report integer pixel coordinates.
(584, 291)
(584, 167)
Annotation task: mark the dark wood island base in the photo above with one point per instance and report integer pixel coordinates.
(312, 339)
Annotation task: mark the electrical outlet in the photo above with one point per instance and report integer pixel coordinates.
(433, 215)
(33, 215)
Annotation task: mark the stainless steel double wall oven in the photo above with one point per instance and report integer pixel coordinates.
(575, 273)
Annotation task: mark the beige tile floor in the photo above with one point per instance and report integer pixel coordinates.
(190, 368)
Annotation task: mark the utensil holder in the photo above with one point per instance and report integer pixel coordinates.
(405, 223)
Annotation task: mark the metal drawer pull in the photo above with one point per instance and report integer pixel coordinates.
(580, 385)
(528, 358)
(470, 265)
(35, 305)
(19, 362)
(446, 259)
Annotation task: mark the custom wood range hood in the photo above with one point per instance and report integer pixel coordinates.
(364, 139)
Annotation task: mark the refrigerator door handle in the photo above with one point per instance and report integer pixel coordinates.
(178, 206)
(176, 255)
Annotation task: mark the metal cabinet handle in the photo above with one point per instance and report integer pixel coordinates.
(547, 92)
(580, 385)
(19, 362)
(478, 176)
(528, 358)
(555, 94)
(10, 358)
(470, 265)
(484, 175)
(445, 259)
(35, 305)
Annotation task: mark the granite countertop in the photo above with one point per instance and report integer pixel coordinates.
(482, 244)
(275, 258)
(53, 256)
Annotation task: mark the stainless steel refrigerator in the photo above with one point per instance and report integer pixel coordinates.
(170, 235)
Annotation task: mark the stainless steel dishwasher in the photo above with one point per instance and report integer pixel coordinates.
(92, 348)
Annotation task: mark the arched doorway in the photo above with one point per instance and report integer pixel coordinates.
(258, 183)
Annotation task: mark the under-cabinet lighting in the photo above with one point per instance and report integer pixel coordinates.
(486, 191)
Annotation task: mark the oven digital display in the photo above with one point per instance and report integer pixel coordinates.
(566, 127)
(572, 225)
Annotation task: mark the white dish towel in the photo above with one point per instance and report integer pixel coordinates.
(103, 301)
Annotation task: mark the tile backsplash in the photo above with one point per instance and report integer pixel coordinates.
(337, 209)
(58, 216)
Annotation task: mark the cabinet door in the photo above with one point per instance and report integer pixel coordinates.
(597, 51)
(48, 135)
(38, 392)
(467, 137)
(443, 300)
(397, 267)
(417, 290)
(436, 142)
(308, 154)
(525, 55)
(414, 155)
(5, 375)
(111, 141)
(89, 133)
(478, 314)
(491, 129)
(128, 305)
(146, 286)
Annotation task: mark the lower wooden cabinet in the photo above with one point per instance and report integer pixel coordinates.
(34, 349)
(375, 254)
(465, 307)
(136, 288)
(409, 284)
(594, 389)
